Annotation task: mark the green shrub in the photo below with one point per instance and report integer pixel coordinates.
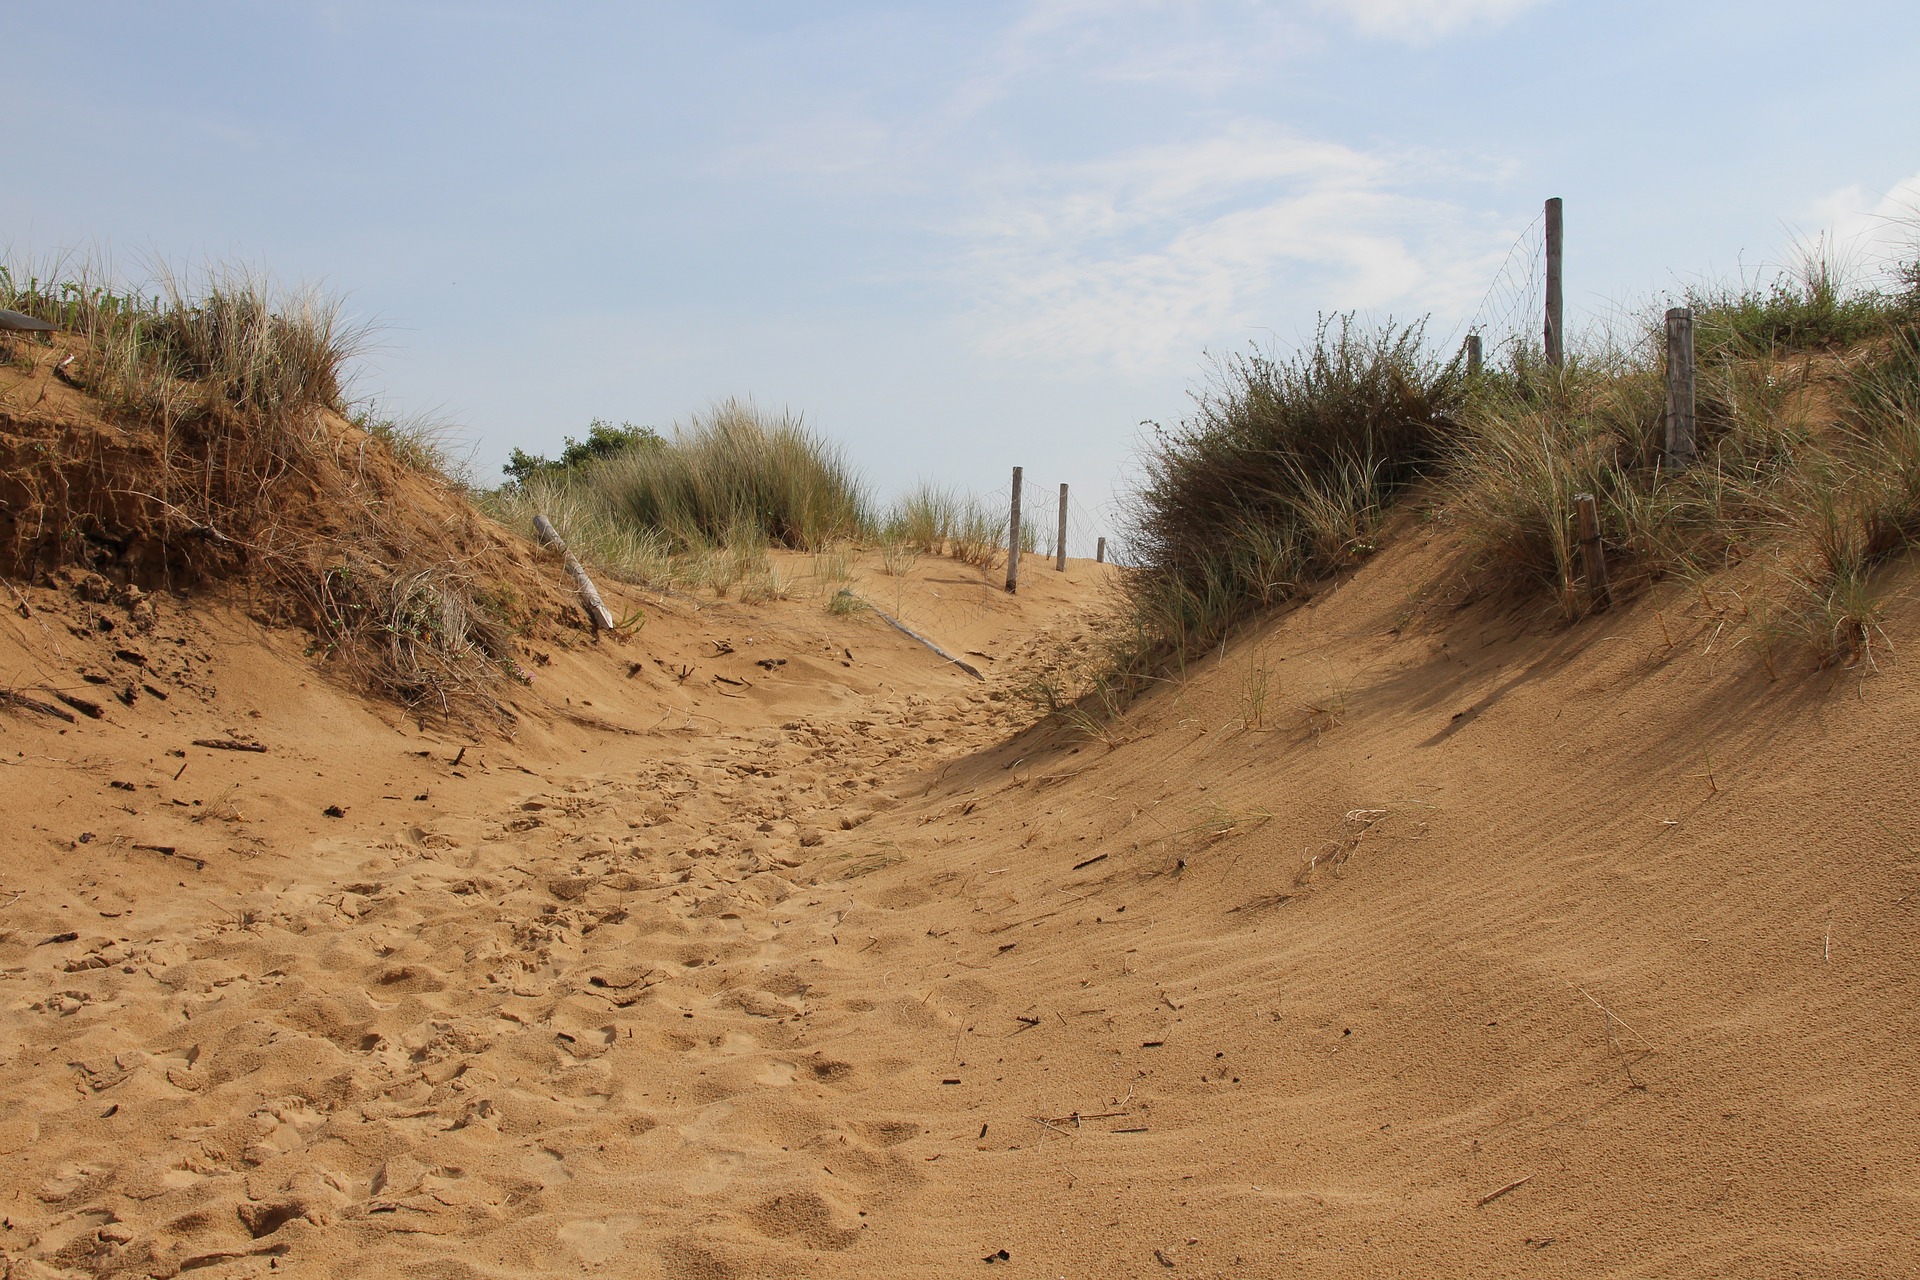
(1811, 308)
(1280, 474)
(604, 440)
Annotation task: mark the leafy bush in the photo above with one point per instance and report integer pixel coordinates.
(604, 440)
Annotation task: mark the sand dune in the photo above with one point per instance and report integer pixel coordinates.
(1398, 939)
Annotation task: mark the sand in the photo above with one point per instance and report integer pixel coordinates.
(1411, 935)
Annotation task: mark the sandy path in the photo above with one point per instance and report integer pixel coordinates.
(550, 1017)
(1389, 943)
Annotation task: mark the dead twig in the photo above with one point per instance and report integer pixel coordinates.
(1491, 1196)
(11, 699)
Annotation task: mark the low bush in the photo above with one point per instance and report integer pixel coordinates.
(1279, 475)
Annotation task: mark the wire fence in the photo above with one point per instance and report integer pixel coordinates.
(1510, 316)
(1509, 319)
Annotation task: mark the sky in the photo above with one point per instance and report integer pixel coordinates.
(955, 237)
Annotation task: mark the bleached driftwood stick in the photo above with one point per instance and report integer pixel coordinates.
(597, 612)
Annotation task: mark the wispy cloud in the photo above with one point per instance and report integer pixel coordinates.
(1139, 261)
(1416, 21)
(1199, 46)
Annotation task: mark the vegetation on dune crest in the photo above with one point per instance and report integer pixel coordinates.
(1802, 454)
(217, 442)
(1808, 455)
(1279, 476)
(705, 505)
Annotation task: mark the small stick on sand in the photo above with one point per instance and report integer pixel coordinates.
(228, 744)
(1613, 1017)
(1491, 1196)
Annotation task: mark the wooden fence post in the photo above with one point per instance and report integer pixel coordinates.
(1013, 537)
(1060, 538)
(597, 612)
(1681, 425)
(1592, 554)
(1556, 294)
(1473, 355)
(1100, 552)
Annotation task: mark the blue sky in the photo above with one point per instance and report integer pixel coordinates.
(955, 236)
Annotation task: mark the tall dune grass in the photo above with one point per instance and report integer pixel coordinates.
(735, 473)
(1279, 475)
(942, 522)
(1807, 453)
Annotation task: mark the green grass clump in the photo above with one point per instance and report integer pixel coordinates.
(702, 508)
(939, 522)
(730, 474)
(1279, 475)
(1809, 308)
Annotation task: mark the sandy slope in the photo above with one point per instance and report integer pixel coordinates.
(1388, 908)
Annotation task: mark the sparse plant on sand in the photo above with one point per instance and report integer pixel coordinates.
(1255, 687)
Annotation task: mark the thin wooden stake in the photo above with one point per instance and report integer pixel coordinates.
(1556, 299)
(1060, 539)
(1681, 424)
(1473, 355)
(1592, 554)
(1100, 551)
(597, 612)
(1013, 538)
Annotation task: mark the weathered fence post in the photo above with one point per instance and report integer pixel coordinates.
(1473, 355)
(1060, 538)
(1013, 537)
(1100, 551)
(1680, 387)
(1592, 555)
(1556, 299)
(597, 612)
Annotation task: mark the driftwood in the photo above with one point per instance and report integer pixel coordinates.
(226, 744)
(911, 634)
(597, 612)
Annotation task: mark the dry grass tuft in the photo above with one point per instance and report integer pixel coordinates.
(172, 438)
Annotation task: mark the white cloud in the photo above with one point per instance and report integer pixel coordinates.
(1139, 261)
(1865, 235)
(1415, 21)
